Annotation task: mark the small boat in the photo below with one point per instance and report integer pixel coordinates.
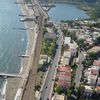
(22, 19)
(23, 15)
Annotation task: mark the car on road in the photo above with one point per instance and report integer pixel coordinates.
(46, 87)
(40, 98)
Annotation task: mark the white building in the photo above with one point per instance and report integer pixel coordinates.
(91, 75)
(73, 48)
(67, 40)
(65, 59)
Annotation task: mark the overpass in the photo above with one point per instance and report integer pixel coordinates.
(48, 6)
(6, 75)
(38, 7)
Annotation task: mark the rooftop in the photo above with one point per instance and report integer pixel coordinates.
(64, 76)
(94, 49)
(96, 63)
(67, 40)
(59, 97)
(64, 68)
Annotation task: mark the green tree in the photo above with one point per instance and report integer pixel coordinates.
(97, 41)
(59, 90)
(69, 92)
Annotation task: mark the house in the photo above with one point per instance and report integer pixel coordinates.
(96, 63)
(73, 48)
(91, 74)
(94, 49)
(59, 97)
(66, 58)
(88, 90)
(64, 76)
(43, 58)
(67, 40)
(97, 89)
(64, 26)
(98, 82)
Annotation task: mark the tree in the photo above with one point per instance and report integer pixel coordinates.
(92, 55)
(37, 87)
(45, 30)
(97, 41)
(69, 92)
(74, 66)
(80, 90)
(59, 90)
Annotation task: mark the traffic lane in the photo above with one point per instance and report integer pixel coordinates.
(48, 89)
(49, 76)
(48, 82)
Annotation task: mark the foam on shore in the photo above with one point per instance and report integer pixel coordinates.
(3, 91)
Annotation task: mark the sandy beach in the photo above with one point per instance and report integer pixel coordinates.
(14, 84)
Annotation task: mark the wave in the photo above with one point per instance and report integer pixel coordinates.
(3, 91)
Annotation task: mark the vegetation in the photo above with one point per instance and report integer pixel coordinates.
(45, 30)
(37, 87)
(28, 1)
(69, 34)
(89, 59)
(96, 12)
(73, 74)
(49, 46)
(43, 67)
(59, 90)
(97, 41)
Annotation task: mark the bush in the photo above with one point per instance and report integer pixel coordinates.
(37, 87)
(59, 90)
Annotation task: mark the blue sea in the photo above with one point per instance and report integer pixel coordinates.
(13, 41)
(66, 12)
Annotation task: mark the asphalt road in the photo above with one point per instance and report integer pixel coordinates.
(46, 92)
(79, 69)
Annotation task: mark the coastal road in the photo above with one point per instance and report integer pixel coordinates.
(46, 91)
(79, 69)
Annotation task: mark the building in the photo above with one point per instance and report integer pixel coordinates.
(43, 59)
(64, 76)
(59, 97)
(97, 89)
(94, 49)
(66, 58)
(91, 75)
(73, 48)
(67, 40)
(96, 63)
(98, 82)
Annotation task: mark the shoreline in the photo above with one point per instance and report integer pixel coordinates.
(25, 62)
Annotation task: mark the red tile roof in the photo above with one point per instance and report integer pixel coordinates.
(94, 71)
(64, 68)
(64, 76)
(63, 83)
(96, 63)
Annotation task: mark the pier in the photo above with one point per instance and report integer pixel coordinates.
(6, 75)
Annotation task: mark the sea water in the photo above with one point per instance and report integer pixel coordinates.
(13, 41)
